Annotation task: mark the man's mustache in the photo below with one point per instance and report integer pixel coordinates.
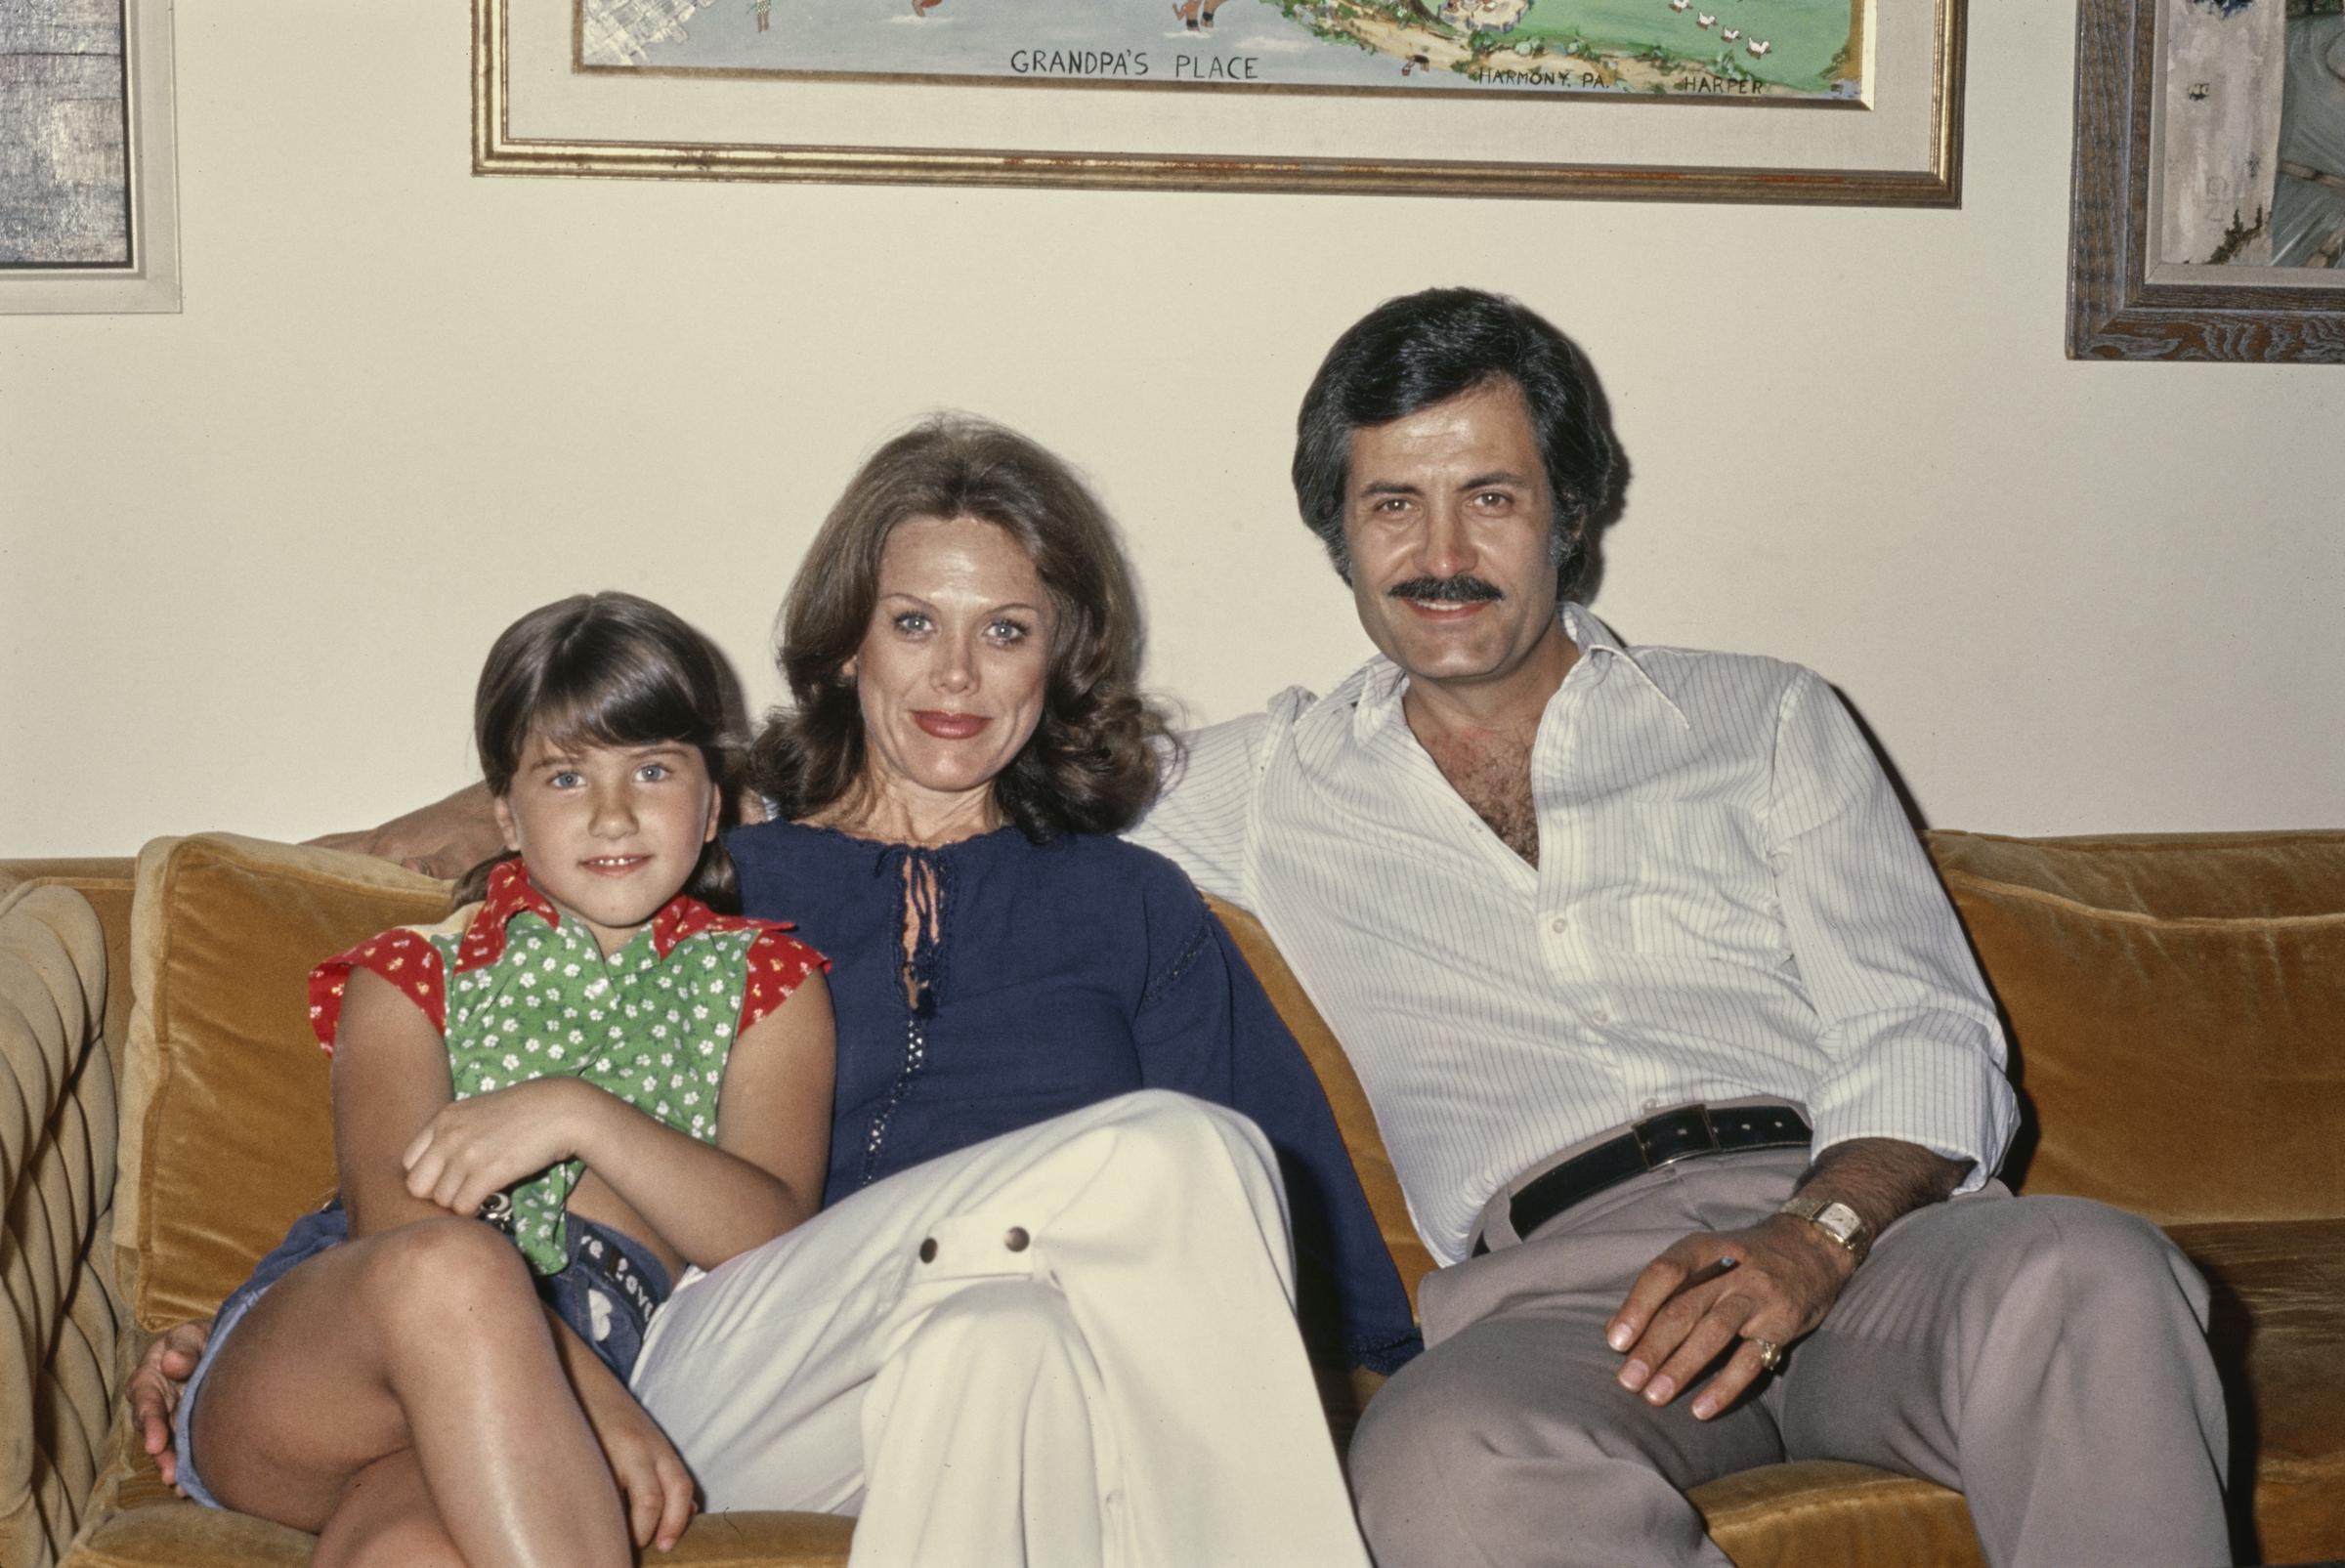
(1462, 590)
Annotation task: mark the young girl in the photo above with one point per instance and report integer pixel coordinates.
(543, 1110)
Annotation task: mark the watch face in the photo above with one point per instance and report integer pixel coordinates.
(1835, 1219)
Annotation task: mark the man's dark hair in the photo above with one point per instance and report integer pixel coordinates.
(1411, 352)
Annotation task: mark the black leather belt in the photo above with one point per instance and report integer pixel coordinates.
(1648, 1145)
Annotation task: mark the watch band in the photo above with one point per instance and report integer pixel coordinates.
(1844, 1225)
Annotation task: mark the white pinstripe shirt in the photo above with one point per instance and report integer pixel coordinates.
(1727, 902)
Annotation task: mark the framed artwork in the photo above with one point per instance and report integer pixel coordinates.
(1795, 100)
(2208, 220)
(88, 177)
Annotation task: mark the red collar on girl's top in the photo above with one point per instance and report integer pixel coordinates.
(512, 893)
(686, 917)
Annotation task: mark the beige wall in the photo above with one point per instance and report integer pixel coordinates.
(251, 555)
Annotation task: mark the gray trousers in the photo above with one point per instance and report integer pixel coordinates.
(2044, 1355)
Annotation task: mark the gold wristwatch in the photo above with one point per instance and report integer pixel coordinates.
(1838, 1220)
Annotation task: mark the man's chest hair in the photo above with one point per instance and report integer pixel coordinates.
(1492, 773)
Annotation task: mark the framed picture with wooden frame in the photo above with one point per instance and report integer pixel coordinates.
(1841, 102)
(2207, 213)
(89, 182)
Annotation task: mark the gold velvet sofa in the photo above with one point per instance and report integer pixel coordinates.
(2178, 1005)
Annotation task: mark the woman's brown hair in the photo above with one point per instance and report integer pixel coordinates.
(1091, 764)
(605, 669)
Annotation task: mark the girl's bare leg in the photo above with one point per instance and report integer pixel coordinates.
(429, 1339)
(387, 1519)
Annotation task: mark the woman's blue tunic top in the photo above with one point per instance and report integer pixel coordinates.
(1050, 977)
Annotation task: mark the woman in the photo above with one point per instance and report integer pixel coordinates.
(1045, 1315)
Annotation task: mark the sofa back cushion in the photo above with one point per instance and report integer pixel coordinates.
(227, 1126)
(2175, 1004)
(1349, 1101)
(2173, 999)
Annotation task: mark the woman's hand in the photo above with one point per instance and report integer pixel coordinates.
(472, 1148)
(155, 1386)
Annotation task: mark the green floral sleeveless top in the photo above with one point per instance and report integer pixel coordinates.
(520, 993)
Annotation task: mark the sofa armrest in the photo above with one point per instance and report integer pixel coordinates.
(108, 882)
(59, 1369)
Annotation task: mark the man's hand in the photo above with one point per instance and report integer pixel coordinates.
(1785, 1276)
(156, 1385)
(445, 839)
(654, 1483)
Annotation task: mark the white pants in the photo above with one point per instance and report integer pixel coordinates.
(1072, 1344)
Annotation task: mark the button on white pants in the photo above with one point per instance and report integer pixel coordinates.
(1072, 1344)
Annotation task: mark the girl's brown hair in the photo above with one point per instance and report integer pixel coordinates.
(605, 669)
(1092, 763)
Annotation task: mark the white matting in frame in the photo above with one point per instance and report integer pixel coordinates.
(538, 108)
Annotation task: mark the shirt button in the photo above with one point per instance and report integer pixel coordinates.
(1603, 1015)
(1557, 924)
(928, 1250)
(1017, 1239)
(1650, 1106)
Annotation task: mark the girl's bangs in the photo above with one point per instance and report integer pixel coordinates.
(637, 708)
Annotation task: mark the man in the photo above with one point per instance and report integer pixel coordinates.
(1679, 1050)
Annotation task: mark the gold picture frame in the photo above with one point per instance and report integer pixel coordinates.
(2123, 302)
(537, 110)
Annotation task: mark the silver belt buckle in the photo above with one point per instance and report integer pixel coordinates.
(1654, 1161)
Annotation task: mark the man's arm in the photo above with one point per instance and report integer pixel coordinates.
(1912, 1047)
(445, 839)
(1201, 820)
(451, 837)
(1911, 1104)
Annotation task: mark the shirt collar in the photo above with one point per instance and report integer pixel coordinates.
(511, 893)
(1592, 637)
(679, 918)
(1383, 683)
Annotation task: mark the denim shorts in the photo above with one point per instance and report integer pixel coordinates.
(607, 1294)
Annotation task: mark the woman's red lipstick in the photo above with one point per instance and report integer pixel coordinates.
(950, 726)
